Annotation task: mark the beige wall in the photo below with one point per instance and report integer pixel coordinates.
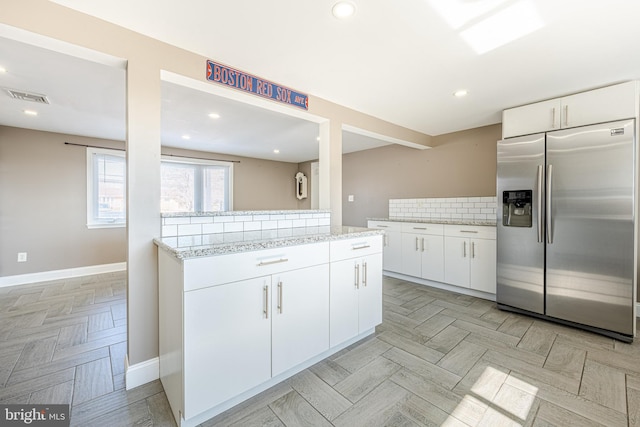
(43, 188)
(43, 205)
(257, 184)
(459, 164)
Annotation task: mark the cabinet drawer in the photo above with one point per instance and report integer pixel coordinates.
(423, 228)
(385, 225)
(471, 231)
(352, 248)
(216, 270)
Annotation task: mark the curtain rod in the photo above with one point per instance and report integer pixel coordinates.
(170, 155)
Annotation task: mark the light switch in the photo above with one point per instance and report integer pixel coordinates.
(351, 198)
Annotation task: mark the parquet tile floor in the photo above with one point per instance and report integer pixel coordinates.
(438, 359)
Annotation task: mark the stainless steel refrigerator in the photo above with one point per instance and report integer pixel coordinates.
(566, 226)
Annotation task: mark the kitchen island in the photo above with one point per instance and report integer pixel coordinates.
(238, 317)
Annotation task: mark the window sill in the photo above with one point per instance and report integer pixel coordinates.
(107, 225)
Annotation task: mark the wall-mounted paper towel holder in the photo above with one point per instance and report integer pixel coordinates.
(301, 186)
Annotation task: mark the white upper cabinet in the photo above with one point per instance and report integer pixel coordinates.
(532, 118)
(596, 106)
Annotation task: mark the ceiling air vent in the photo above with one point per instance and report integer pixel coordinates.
(28, 96)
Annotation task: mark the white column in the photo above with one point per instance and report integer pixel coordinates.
(330, 155)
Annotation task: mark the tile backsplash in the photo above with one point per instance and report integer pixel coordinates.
(447, 208)
(217, 227)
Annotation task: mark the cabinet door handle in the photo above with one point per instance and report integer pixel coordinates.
(357, 276)
(382, 226)
(553, 118)
(280, 297)
(419, 228)
(469, 231)
(364, 274)
(422, 244)
(277, 261)
(464, 249)
(566, 115)
(266, 302)
(473, 249)
(417, 249)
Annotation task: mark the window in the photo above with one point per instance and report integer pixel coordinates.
(190, 185)
(106, 188)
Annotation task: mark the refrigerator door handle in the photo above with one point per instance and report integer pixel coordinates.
(539, 210)
(549, 221)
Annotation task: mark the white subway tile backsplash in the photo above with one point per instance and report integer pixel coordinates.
(269, 225)
(223, 218)
(189, 229)
(471, 208)
(314, 222)
(212, 228)
(261, 217)
(231, 227)
(242, 218)
(296, 223)
(169, 230)
(252, 225)
(201, 219)
(175, 221)
(285, 223)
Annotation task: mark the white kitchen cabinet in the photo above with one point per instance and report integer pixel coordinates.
(233, 324)
(531, 118)
(356, 288)
(470, 257)
(227, 342)
(423, 251)
(299, 316)
(392, 244)
(596, 106)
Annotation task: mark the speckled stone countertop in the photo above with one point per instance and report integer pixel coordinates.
(487, 222)
(250, 243)
(241, 213)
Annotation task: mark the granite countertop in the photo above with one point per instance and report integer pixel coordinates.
(485, 222)
(241, 213)
(246, 242)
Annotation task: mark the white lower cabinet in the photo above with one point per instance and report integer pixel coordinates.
(391, 244)
(299, 316)
(423, 251)
(356, 288)
(229, 317)
(470, 257)
(458, 255)
(220, 342)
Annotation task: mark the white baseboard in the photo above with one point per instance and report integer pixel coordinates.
(141, 373)
(23, 279)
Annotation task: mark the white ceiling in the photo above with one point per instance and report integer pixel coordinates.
(399, 61)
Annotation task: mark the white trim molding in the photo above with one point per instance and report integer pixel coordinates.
(141, 373)
(23, 279)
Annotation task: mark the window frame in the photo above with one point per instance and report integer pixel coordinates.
(198, 190)
(92, 194)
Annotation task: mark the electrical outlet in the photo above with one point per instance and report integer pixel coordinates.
(22, 257)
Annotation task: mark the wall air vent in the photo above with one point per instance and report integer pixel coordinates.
(27, 96)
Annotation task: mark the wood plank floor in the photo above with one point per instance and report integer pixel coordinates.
(439, 358)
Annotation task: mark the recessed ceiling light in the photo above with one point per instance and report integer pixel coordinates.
(343, 9)
(186, 137)
(460, 93)
(2, 70)
(276, 151)
(31, 112)
(214, 115)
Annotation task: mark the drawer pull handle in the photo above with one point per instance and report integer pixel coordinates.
(357, 276)
(419, 228)
(469, 231)
(277, 261)
(355, 248)
(381, 226)
(280, 297)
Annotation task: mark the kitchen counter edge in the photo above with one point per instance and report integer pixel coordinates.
(487, 223)
(339, 233)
